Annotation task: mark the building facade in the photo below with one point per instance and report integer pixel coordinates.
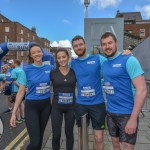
(134, 24)
(16, 32)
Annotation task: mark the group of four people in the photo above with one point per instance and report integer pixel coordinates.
(124, 85)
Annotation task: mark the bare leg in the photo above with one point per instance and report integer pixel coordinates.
(116, 143)
(99, 139)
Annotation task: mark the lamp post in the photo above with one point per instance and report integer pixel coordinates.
(86, 3)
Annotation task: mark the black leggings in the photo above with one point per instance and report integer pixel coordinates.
(57, 118)
(37, 113)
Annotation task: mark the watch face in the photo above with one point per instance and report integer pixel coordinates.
(1, 128)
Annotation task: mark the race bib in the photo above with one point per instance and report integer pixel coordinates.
(87, 91)
(42, 88)
(108, 88)
(65, 98)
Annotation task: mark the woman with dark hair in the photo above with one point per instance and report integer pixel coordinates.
(37, 100)
(64, 82)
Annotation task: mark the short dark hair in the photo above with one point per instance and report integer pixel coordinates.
(107, 34)
(17, 61)
(32, 45)
(77, 37)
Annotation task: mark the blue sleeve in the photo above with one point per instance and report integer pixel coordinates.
(134, 68)
(13, 74)
(2, 76)
(23, 79)
(102, 59)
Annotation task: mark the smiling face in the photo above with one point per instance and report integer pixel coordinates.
(109, 46)
(79, 47)
(36, 54)
(62, 59)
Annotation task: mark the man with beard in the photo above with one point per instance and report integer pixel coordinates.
(90, 99)
(125, 88)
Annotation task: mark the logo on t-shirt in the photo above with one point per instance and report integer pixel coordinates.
(47, 71)
(116, 65)
(90, 62)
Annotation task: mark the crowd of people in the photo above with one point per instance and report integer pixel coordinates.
(124, 85)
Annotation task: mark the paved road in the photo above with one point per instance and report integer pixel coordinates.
(15, 138)
(8, 140)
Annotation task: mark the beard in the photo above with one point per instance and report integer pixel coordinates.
(82, 53)
(112, 54)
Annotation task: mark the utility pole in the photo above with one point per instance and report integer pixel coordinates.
(86, 3)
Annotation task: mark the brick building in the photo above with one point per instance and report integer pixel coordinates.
(15, 32)
(134, 24)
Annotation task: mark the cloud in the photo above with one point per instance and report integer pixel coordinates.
(102, 4)
(63, 43)
(145, 10)
(67, 21)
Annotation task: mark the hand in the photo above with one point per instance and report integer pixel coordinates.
(127, 52)
(131, 126)
(13, 120)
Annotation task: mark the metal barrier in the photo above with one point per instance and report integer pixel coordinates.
(84, 133)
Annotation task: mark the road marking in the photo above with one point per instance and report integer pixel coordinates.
(22, 142)
(16, 140)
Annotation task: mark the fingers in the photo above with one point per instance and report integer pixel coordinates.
(130, 130)
(13, 123)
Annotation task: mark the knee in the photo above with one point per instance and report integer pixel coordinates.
(99, 139)
(56, 136)
(116, 143)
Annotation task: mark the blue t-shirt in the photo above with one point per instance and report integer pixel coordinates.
(2, 76)
(118, 73)
(16, 74)
(88, 74)
(37, 78)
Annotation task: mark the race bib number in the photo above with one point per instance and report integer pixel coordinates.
(65, 98)
(87, 92)
(42, 88)
(108, 88)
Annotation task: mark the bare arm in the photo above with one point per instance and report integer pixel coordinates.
(18, 101)
(139, 100)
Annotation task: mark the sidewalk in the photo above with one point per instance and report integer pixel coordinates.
(143, 138)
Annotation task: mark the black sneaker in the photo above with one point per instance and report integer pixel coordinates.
(23, 118)
(7, 111)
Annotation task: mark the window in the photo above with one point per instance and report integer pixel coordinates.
(6, 29)
(6, 38)
(33, 37)
(142, 32)
(21, 39)
(28, 34)
(21, 32)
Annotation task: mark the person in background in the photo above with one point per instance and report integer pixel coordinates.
(125, 88)
(37, 100)
(16, 75)
(63, 82)
(2, 77)
(8, 86)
